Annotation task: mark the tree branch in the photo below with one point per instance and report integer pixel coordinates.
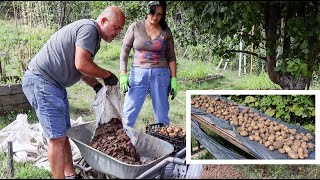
(248, 52)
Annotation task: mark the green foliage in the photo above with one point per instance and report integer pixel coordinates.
(27, 42)
(217, 25)
(295, 67)
(110, 52)
(97, 7)
(293, 109)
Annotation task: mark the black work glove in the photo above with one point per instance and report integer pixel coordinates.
(111, 80)
(97, 87)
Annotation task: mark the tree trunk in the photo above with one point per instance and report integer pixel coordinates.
(289, 82)
(271, 19)
(62, 14)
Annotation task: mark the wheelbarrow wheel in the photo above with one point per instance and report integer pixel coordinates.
(93, 174)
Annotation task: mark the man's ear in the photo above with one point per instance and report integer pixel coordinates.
(104, 20)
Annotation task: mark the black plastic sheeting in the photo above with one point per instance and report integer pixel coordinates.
(216, 149)
(254, 147)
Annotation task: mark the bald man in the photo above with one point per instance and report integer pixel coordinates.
(66, 58)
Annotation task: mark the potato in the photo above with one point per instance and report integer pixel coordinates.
(310, 137)
(294, 147)
(301, 155)
(271, 148)
(271, 137)
(278, 144)
(289, 142)
(305, 138)
(279, 138)
(173, 135)
(310, 146)
(291, 137)
(244, 133)
(277, 128)
(287, 148)
(267, 143)
(298, 136)
(281, 150)
(257, 138)
(169, 130)
(176, 130)
(240, 129)
(293, 155)
(293, 131)
(297, 142)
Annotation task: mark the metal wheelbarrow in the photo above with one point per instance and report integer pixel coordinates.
(148, 146)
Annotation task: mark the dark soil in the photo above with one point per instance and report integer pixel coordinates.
(111, 139)
(211, 171)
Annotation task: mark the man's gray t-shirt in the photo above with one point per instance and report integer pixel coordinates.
(55, 61)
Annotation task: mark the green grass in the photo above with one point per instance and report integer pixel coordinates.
(280, 171)
(257, 82)
(22, 171)
(11, 116)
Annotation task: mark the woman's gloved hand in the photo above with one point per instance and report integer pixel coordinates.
(124, 82)
(174, 88)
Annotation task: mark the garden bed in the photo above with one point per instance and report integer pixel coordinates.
(203, 79)
(12, 97)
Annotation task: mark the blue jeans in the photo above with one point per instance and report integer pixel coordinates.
(155, 81)
(50, 103)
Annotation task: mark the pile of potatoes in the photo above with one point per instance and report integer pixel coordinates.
(271, 134)
(171, 131)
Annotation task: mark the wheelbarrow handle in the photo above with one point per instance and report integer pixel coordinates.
(85, 169)
(160, 165)
(181, 152)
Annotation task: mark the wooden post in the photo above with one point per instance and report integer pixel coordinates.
(251, 65)
(219, 64)
(245, 64)
(0, 68)
(10, 158)
(240, 57)
(226, 64)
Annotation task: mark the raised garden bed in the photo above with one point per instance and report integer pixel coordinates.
(12, 97)
(204, 79)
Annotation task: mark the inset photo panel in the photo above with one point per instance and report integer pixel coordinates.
(252, 127)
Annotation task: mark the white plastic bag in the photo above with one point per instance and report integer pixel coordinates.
(107, 104)
(28, 142)
(194, 171)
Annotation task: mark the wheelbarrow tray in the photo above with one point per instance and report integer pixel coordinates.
(147, 146)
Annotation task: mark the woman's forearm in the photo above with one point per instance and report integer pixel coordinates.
(173, 68)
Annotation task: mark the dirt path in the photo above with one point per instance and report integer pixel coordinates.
(211, 171)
